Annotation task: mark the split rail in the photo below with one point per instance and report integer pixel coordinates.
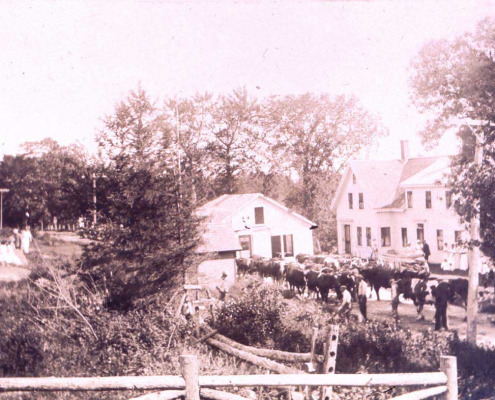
(192, 385)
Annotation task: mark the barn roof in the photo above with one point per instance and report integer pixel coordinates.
(218, 237)
(225, 206)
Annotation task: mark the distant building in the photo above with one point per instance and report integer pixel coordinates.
(251, 225)
(394, 203)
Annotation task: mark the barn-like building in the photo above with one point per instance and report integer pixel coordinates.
(250, 225)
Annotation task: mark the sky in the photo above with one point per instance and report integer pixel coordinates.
(64, 65)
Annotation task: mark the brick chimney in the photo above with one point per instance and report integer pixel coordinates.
(404, 150)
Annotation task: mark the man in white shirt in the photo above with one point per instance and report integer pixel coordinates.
(345, 307)
(362, 293)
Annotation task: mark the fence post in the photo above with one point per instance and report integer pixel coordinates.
(329, 360)
(189, 369)
(314, 336)
(448, 365)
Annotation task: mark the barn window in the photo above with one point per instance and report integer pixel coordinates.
(404, 237)
(368, 237)
(259, 216)
(359, 236)
(349, 197)
(428, 199)
(409, 199)
(282, 246)
(361, 201)
(385, 236)
(440, 239)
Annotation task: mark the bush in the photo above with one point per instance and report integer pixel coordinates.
(254, 318)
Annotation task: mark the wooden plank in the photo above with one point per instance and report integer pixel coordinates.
(205, 393)
(272, 354)
(193, 287)
(448, 365)
(177, 382)
(189, 369)
(422, 394)
(330, 357)
(253, 359)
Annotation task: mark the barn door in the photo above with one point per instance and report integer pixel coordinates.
(347, 238)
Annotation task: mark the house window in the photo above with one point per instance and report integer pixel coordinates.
(288, 246)
(458, 236)
(404, 237)
(353, 179)
(349, 196)
(385, 236)
(448, 198)
(440, 239)
(361, 201)
(368, 237)
(420, 232)
(359, 236)
(259, 216)
(409, 199)
(428, 199)
(245, 242)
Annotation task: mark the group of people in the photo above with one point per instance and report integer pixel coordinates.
(456, 257)
(15, 241)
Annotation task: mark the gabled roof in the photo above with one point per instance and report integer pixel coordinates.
(219, 210)
(218, 238)
(384, 181)
(434, 174)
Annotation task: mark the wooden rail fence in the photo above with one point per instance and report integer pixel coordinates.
(191, 384)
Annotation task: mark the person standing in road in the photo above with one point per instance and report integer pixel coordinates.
(223, 287)
(394, 292)
(362, 296)
(346, 306)
(441, 294)
(426, 250)
(26, 239)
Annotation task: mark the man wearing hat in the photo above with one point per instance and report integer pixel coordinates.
(223, 287)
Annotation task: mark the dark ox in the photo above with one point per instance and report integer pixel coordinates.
(243, 265)
(379, 276)
(327, 281)
(294, 275)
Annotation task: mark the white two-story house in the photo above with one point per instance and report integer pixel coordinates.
(394, 203)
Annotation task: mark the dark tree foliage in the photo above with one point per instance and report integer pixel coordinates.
(151, 230)
(46, 181)
(454, 83)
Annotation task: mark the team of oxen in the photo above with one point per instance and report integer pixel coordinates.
(320, 275)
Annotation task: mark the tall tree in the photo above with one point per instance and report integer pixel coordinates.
(312, 139)
(236, 144)
(151, 231)
(454, 81)
(190, 124)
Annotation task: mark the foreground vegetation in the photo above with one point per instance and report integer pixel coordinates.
(59, 323)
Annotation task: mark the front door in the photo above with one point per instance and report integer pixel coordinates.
(347, 238)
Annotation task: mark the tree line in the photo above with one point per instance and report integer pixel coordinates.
(291, 148)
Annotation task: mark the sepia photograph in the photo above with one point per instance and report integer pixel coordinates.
(247, 200)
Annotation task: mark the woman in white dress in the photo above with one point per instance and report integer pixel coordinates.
(447, 259)
(456, 256)
(26, 239)
(463, 259)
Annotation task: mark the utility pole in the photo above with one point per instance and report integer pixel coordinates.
(93, 176)
(472, 300)
(2, 191)
(475, 236)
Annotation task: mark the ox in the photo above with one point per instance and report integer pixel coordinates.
(295, 277)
